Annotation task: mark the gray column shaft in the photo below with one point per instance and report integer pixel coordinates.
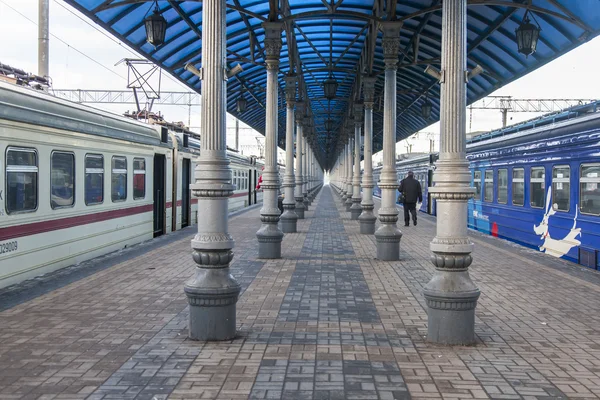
(289, 216)
(451, 295)
(212, 293)
(269, 235)
(298, 192)
(388, 235)
(367, 218)
(356, 209)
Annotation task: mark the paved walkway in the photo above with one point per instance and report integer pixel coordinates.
(327, 321)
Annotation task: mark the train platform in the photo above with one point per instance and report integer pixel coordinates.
(327, 321)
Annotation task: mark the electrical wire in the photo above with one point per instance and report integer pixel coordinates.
(65, 43)
(113, 39)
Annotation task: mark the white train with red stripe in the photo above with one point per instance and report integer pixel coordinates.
(77, 182)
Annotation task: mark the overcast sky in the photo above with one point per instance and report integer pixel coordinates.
(575, 75)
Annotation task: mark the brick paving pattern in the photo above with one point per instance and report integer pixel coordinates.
(327, 321)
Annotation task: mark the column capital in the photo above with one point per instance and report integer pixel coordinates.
(358, 113)
(391, 42)
(290, 90)
(369, 89)
(273, 43)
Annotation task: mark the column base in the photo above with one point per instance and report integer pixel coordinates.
(451, 299)
(367, 222)
(388, 243)
(212, 295)
(269, 241)
(305, 202)
(355, 211)
(348, 203)
(288, 221)
(299, 210)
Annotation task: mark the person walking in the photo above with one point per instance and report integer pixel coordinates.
(410, 188)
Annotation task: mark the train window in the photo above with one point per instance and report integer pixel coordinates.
(119, 179)
(62, 179)
(590, 189)
(488, 185)
(477, 184)
(21, 180)
(502, 186)
(518, 186)
(561, 187)
(94, 179)
(537, 187)
(139, 178)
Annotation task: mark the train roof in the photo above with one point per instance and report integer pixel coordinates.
(582, 119)
(567, 114)
(22, 104)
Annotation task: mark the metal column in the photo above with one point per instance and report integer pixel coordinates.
(367, 218)
(388, 235)
(269, 235)
(451, 295)
(356, 209)
(212, 293)
(289, 218)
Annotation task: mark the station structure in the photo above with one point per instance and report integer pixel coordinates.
(310, 74)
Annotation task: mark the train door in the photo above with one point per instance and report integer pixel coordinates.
(254, 186)
(185, 193)
(250, 187)
(159, 194)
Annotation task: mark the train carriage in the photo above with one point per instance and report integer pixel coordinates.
(540, 187)
(77, 182)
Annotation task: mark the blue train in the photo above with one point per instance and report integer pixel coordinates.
(537, 183)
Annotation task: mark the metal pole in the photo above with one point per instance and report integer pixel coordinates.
(388, 235)
(451, 295)
(237, 134)
(44, 38)
(289, 218)
(269, 235)
(212, 293)
(367, 218)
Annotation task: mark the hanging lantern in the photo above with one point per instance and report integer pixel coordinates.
(330, 87)
(329, 125)
(527, 36)
(156, 28)
(426, 109)
(241, 104)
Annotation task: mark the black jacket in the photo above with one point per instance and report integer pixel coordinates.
(411, 188)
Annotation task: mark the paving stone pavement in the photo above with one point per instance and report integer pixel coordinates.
(327, 321)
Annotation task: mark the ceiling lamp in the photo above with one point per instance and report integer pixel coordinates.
(329, 125)
(527, 35)
(156, 27)
(330, 87)
(241, 104)
(426, 109)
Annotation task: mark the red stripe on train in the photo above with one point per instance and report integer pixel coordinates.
(13, 232)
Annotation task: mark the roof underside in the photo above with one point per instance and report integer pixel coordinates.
(343, 36)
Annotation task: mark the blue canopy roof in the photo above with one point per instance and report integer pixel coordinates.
(343, 36)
